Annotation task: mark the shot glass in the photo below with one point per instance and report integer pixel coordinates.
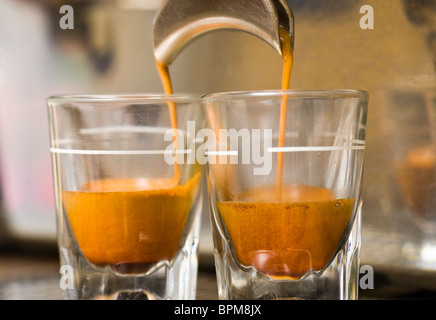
(127, 195)
(284, 172)
(408, 114)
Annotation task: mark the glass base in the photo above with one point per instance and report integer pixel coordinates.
(337, 281)
(130, 295)
(165, 280)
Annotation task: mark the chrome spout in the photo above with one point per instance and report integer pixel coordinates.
(178, 22)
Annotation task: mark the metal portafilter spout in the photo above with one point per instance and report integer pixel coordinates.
(179, 21)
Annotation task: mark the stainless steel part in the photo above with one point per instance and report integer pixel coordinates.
(180, 21)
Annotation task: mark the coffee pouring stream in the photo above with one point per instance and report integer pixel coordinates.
(178, 22)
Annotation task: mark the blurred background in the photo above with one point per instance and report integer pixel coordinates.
(110, 51)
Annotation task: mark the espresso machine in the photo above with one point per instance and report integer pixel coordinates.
(110, 50)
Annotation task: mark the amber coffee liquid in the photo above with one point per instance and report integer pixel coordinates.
(130, 221)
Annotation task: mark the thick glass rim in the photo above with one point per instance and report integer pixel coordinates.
(294, 93)
(122, 98)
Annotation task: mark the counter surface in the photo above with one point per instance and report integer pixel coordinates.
(34, 275)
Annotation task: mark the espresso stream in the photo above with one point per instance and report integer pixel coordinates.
(286, 232)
